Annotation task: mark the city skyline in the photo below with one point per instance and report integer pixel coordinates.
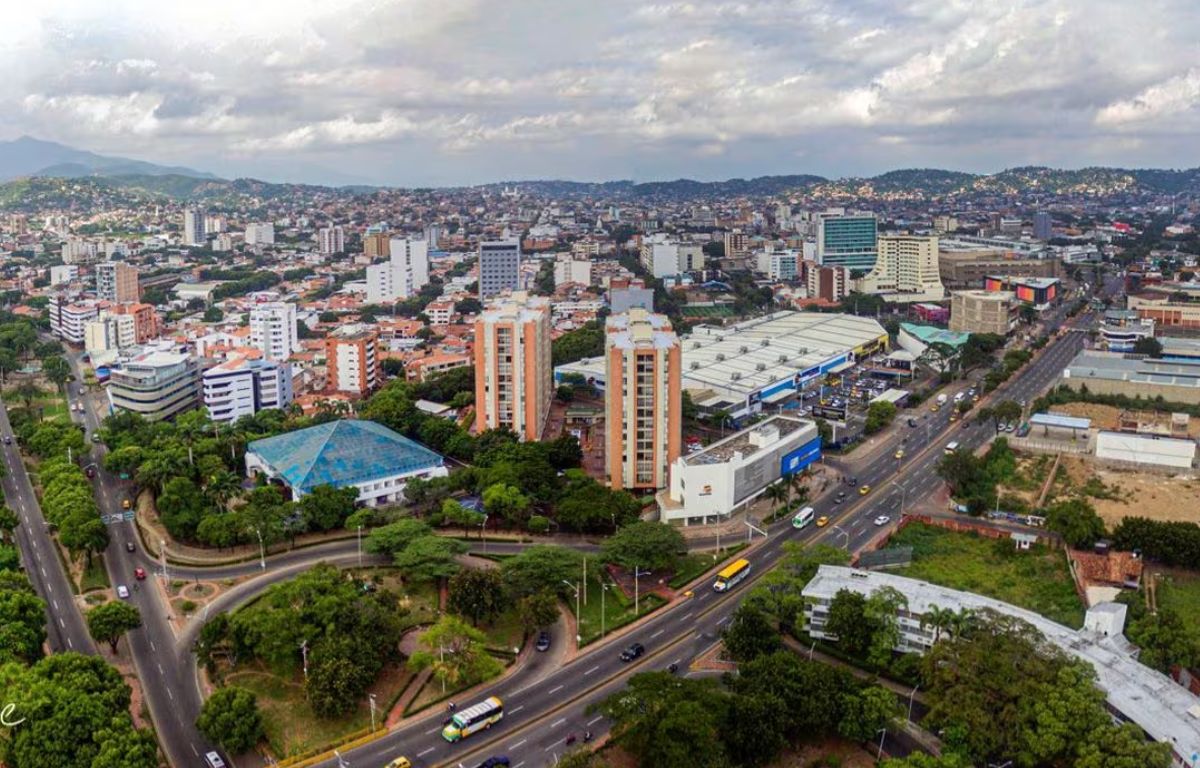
(453, 93)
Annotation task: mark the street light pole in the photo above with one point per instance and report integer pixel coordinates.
(483, 532)
(603, 590)
(360, 546)
(371, 701)
(910, 700)
(576, 588)
(882, 736)
(262, 552)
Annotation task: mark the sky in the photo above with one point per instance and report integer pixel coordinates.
(448, 92)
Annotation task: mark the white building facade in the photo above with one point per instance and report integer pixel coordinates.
(273, 329)
(241, 387)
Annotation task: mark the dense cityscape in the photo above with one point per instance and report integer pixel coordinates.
(787, 470)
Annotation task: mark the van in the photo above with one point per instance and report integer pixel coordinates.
(941, 399)
(803, 517)
(958, 397)
(952, 446)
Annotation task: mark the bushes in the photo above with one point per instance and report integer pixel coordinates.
(1175, 543)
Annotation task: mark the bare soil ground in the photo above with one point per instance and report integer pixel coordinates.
(1105, 416)
(1158, 497)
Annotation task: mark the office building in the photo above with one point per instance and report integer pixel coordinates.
(260, 234)
(662, 256)
(1166, 711)
(513, 386)
(1042, 225)
(193, 227)
(780, 265)
(906, 269)
(155, 385)
(846, 239)
(68, 320)
(966, 267)
(499, 267)
(403, 275)
(1165, 313)
(273, 329)
(643, 399)
(331, 240)
(109, 332)
(711, 484)
(117, 282)
(830, 284)
(568, 269)
(352, 360)
(983, 312)
(240, 387)
(1124, 337)
(1041, 292)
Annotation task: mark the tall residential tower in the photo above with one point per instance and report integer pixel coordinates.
(513, 373)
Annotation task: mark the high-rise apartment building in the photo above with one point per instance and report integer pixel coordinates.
(662, 256)
(780, 265)
(145, 322)
(117, 281)
(827, 283)
(403, 275)
(846, 239)
(331, 240)
(499, 267)
(156, 385)
(906, 269)
(643, 399)
(375, 245)
(737, 244)
(1043, 226)
(273, 329)
(352, 360)
(260, 234)
(109, 332)
(68, 321)
(513, 372)
(193, 227)
(240, 387)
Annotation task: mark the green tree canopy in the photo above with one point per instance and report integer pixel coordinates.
(644, 544)
(230, 717)
(108, 621)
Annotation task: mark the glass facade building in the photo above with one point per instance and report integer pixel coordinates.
(847, 241)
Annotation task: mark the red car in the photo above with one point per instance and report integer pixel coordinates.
(139, 574)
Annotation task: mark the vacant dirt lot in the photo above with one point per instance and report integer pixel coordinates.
(1157, 497)
(1105, 416)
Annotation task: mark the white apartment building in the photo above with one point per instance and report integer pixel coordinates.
(69, 321)
(331, 240)
(439, 312)
(273, 329)
(193, 227)
(110, 332)
(906, 269)
(239, 387)
(63, 273)
(571, 270)
(780, 265)
(499, 267)
(663, 256)
(79, 251)
(223, 242)
(215, 223)
(403, 275)
(157, 385)
(260, 234)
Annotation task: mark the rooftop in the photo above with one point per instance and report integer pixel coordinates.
(1091, 364)
(931, 334)
(342, 453)
(749, 441)
(1151, 699)
(1060, 421)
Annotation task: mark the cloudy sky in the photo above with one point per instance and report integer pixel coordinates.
(436, 92)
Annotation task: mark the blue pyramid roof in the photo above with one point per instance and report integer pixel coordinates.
(342, 453)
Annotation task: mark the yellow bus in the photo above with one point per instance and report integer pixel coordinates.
(733, 573)
(474, 718)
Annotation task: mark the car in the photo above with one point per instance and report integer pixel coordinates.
(122, 591)
(130, 547)
(975, 398)
(839, 499)
(632, 652)
(822, 521)
(882, 520)
(125, 504)
(213, 760)
(971, 391)
(495, 761)
(912, 422)
(933, 408)
(95, 437)
(954, 417)
(139, 574)
(899, 454)
(853, 481)
(8, 439)
(543, 641)
(1010, 427)
(90, 472)
(864, 490)
(399, 762)
(958, 397)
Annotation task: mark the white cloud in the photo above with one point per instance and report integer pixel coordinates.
(1170, 97)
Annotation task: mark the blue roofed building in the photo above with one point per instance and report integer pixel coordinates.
(350, 452)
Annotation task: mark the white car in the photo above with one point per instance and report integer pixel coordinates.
(122, 591)
(882, 520)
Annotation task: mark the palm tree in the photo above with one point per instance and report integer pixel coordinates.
(222, 487)
(797, 486)
(939, 618)
(961, 622)
(778, 494)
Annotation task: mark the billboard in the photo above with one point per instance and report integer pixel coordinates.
(795, 461)
(830, 412)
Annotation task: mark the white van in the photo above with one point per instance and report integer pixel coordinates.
(941, 399)
(959, 397)
(952, 446)
(803, 517)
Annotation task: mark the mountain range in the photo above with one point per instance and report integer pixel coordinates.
(28, 156)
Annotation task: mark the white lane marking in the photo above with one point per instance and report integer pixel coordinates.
(194, 751)
(656, 634)
(170, 695)
(43, 570)
(595, 720)
(160, 670)
(435, 730)
(60, 623)
(687, 615)
(515, 710)
(555, 689)
(152, 645)
(426, 752)
(55, 604)
(70, 642)
(590, 671)
(518, 765)
(676, 662)
(517, 744)
(558, 722)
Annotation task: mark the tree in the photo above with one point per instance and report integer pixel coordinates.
(750, 634)
(120, 745)
(110, 620)
(879, 415)
(477, 594)
(394, 537)
(337, 675)
(181, 507)
(230, 717)
(541, 568)
(428, 558)
(808, 693)
(777, 494)
(455, 513)
(22, 619)
(1122, 746)
(83, 532)
(58, 371)
(922, 760)
(28, 392)
(866, 712)
(586, 505)
(1075, 519)
(326, 507)
(455, 652)
(538, 610)
(669, 722)
(939, 619)
(848, 620)
(753, 730)
(8, 519)
(644, 544)
(1148, 346)
(880, 612)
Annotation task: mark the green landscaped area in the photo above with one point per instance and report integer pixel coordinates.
(290, 725)
(615, 609)
(1180, 591)
(692, 565)
(721, 311)
(1036, 579)
(94, 576)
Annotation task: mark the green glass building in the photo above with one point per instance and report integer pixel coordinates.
(847, 240)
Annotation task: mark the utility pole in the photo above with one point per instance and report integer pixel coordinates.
(371, 702)
(262, 552)
(603, 590)
(637, 572)
(162, 559)
(584, 582)
(360, 546)
(304, 654)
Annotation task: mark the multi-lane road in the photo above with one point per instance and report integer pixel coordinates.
(542, 705)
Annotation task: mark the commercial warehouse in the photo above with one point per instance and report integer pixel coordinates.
(1111, 373)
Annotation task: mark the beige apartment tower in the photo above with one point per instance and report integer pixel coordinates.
(643, 400)
(513, 373)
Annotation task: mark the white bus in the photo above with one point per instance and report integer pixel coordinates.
(477, 717)
(803, 517)
(952, 446)
(731, 575)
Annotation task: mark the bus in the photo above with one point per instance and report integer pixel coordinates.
(951, 447)
(477, 717)
(734, 573)
(803, 517)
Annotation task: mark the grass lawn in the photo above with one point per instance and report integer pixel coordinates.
(616, 609)
(1181, 592)
(692, 565)
(1037, 580)
(421, 598)
(94, 576)
(505, 631)
(290, 724)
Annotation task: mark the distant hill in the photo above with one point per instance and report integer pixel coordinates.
(28, 156)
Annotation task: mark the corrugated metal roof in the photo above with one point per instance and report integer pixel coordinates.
(342, 453)
(1058, 420)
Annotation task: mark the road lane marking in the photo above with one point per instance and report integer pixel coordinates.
(656, 634)
(558, 722)
(555, 689)
(60, 623)
(194, 751)
(152, 645)
(515, 710)
(160, 670)
(426, 752)
(435, 730)
(517, 744)
(590, 671)
(70, 643)
(55, 604)
(170, 695)
(595, 720)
